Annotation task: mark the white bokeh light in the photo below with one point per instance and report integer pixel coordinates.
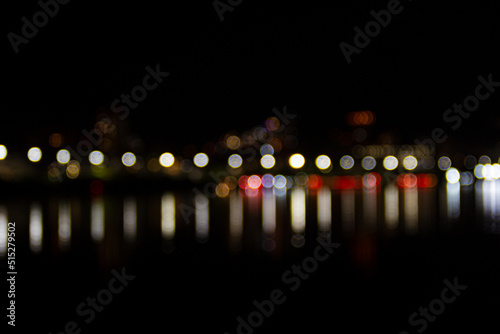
(3, 152)
(200, 160)
(390, 162)
(297, 161)
(235, 161)
(444, 163)
(452, 175)
(267, 161)
(166, 159)
(346, 162)
(34, 154)
(63, 156)
(96, 158)
(280, 181)
(323, 162)
(369, 163)
(410, 162)
(128, 159)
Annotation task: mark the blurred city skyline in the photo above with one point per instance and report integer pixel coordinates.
(230, 75)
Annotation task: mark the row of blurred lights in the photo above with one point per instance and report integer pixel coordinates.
(280, 183)
(483, 169)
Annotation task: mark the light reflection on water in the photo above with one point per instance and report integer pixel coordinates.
(35, 228)
(64, 224)
(129, 219)
(201, 211)
(97, 219)
(168, 216)
(268, 213)
(3, 230)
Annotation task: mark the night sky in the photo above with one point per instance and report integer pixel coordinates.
(230, 75)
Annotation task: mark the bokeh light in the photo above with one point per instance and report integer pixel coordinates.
(63, 156)
(369, 163)
(444, 163)
(280, 181)
(297, 161)
(128, 159)
(233, 142)
(410, 162)
(267, 180)
(478, 171)
(34, 154)
(55, 140)
(452, 175)
(346, 162)
(323, 162)
(470, 162)
(491, 172)
(166, 159)
(266, 149)
(466, 178)
(267, 161)
(96, 158)
(390, 162)
(73, 169)
(235, 161)
(222, 190)
(484, 159)
(3, 152)
(200, 160)
(254, 181)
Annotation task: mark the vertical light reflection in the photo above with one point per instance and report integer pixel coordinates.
(298, 199)
(235, 220)
(201, 217)
(324, 211)
(36, 228)
(168, 216)
(370, 207)
(268, 219)
(411, 209)
(97, 219)
(391, 201)
(129, 219)
(453, 200)
(496, 202)
(491, 205)
(478, 189)
(269, 211)
(64, 224)
(3, 230)
(347, 212)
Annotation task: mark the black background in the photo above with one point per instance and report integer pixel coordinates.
(230, 75)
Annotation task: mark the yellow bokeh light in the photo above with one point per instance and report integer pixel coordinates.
(233, 142)
(73, 169)
(297, 161)
(166, 159)
(222, 190)
(34, 154)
